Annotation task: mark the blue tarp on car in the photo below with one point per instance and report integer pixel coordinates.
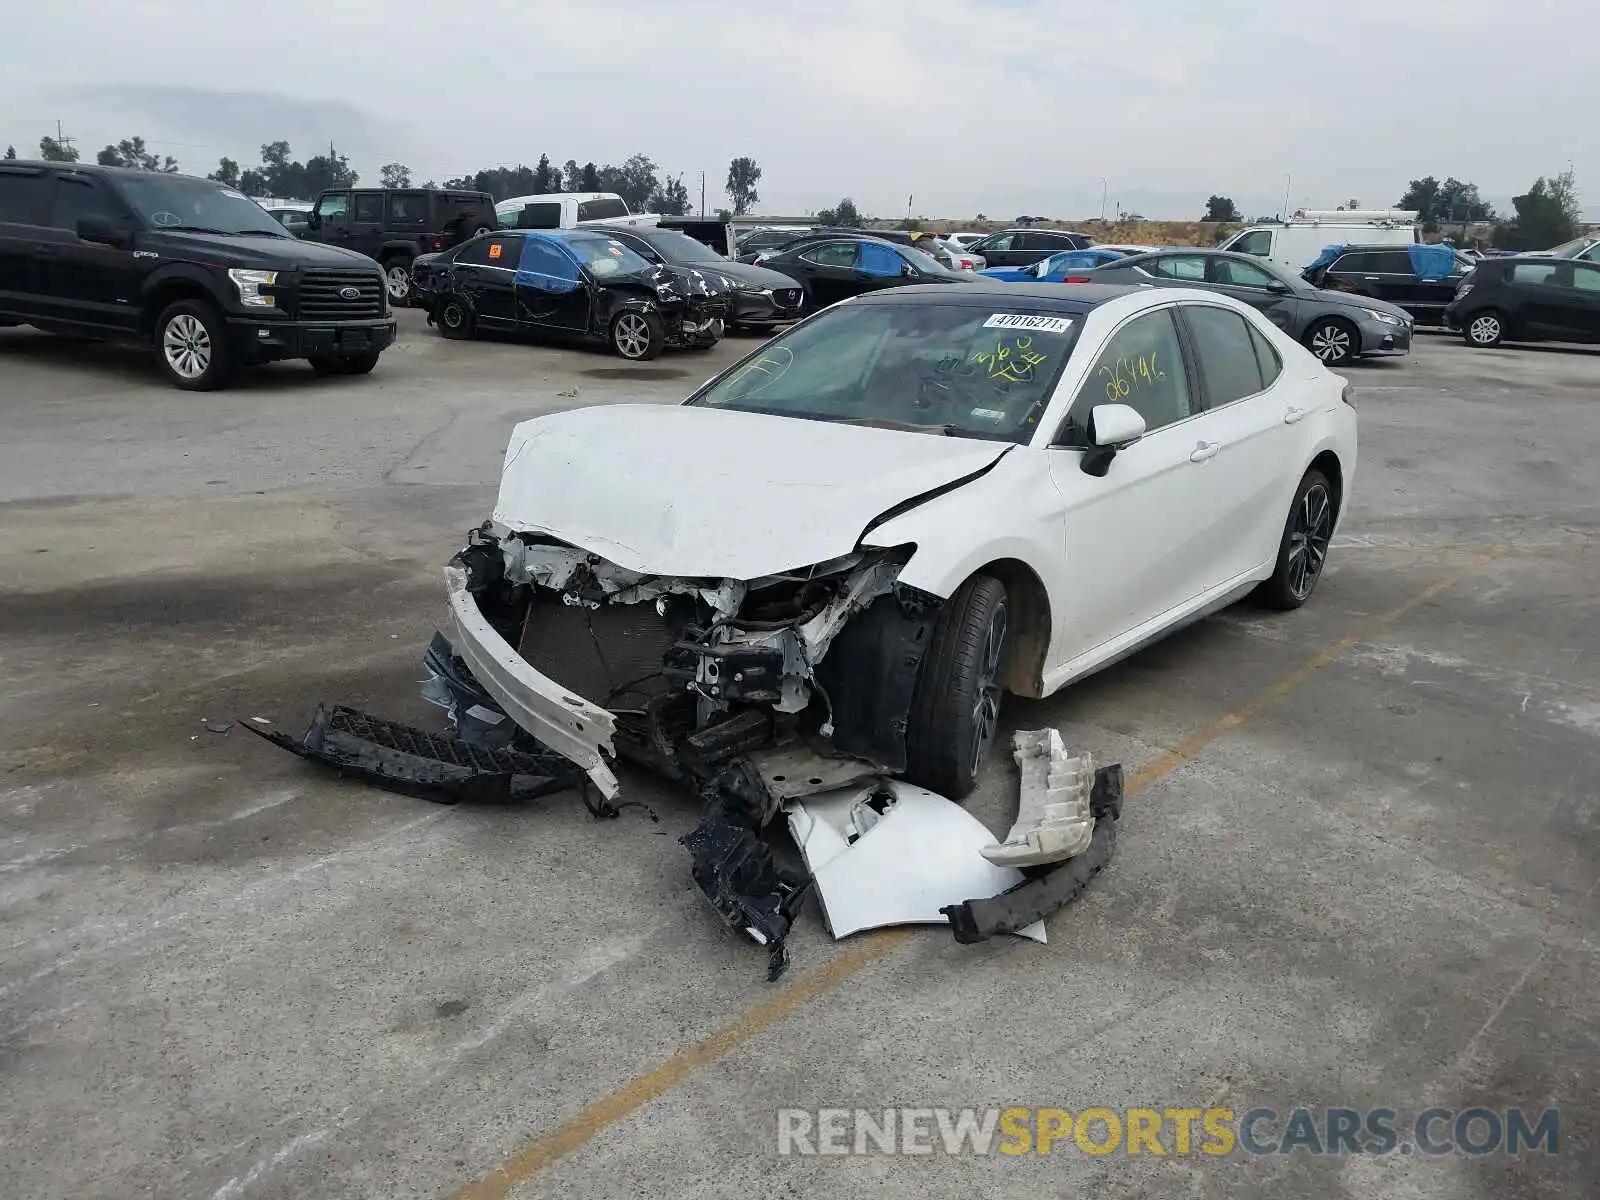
(1329, 253)
(1432, 262)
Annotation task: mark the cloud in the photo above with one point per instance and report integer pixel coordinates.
(1003, 106)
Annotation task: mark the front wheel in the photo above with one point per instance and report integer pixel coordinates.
(955, 710)
(637, 336)
(346, 364)
(1303, 549)
(397, 278)
(193, 340)
(1334, 341)
(1484, 329)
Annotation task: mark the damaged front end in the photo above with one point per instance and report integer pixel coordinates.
(693, 306)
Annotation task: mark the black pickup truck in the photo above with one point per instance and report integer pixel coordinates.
(193, 269)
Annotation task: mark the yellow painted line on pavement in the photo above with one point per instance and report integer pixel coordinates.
(784, 1002)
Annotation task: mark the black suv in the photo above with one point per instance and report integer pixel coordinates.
(1387, 273)
(190, 267)
(1024, 247)
(394, 225)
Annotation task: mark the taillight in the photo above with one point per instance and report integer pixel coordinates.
(1077, 279)
(1349, 395)
(435, 242)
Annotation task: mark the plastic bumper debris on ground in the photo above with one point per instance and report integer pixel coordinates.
(1053, 818)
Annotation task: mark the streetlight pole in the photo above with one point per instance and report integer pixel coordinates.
(1104, 189)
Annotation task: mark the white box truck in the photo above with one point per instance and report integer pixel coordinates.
(1297, 242)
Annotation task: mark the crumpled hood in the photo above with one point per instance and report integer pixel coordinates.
(747, 274)
(700, 492)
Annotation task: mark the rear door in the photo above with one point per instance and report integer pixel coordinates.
(24, 198)
(86, 282)
(1257, 426)
(484, 273)
(1390, 277)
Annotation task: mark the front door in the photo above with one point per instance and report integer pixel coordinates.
(86, 282)
(333, 218)
(552, 291)
(1250, 284)
(1141, 537)
(1004, 250)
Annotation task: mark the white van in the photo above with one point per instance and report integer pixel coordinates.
(568, 210)
(1297, 242)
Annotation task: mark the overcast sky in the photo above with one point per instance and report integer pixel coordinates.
(999, 106)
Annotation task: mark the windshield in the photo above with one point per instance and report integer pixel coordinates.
(1573, 248)
(178, 202)
(678, 247)
(606, 256)
(950, 368)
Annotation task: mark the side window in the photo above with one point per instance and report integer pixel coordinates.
(546, 263)
(832, 254)
(335, 205)
(1350, 264)
(490, 252)
(369, 208)
(999, 241)
(1533, 272)
(1038, 239)
(1257, 242)
(77, 198)
(408, 208)
(1239, 274)
(1390, 262)
(1179, 266)
(538, 216)
(1585, 278)
(599, 210)
(1592, 254)
(22, 195)
(1141, 366)
(880, 261)
(1226, 354)
(1267, 357)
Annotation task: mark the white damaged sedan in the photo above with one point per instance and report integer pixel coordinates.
(837, 556)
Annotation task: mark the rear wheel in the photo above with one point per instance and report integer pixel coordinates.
(455, 319)
(1484, 329)
(955, 711)
(397, 278)
(1304, 547)
(1334, 341)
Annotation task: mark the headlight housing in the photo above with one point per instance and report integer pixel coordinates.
(753, 289)
(1386, 318)
(249, 285)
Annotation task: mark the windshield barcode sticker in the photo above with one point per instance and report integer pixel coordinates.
(1026, 321)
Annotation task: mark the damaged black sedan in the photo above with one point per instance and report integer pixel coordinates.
(577, 284)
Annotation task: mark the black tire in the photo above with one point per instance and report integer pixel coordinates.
(637, 336)
(955, 710)
(346, 364)
(1484, 328)
(1303, 548)
(193, 347)
(397, 279)
(1334, 340)
(455, 319)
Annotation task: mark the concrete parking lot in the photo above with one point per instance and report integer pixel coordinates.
(1358, 861)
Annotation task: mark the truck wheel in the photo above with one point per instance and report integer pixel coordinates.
(455, 319)
(637, 336)
(955, 710)
(397, 278)
(346, 364)
(193, 342)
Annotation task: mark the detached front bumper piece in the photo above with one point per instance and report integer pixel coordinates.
(1046, 890)
(427, 765)
(736, 872)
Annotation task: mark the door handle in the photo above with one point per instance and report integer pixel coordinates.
(1204, 450)
(1371, 278)
(1295, 414)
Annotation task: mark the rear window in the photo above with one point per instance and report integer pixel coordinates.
(22, 196)
(601, 210)
(533, 216)
(408, 208)
(956, 368)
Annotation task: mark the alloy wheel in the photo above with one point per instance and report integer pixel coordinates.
(187, 346)
(1331, 343)
(452, 316)
(398, 281)
(1485, 330)
(986, 698)
(1308, 540)
(632, 335)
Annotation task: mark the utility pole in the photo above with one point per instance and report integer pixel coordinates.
(909, 199)
(1104, 190)
(702, 193)
(62, 139)
(1287, 180)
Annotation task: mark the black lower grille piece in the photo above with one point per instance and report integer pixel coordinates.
(431, 766)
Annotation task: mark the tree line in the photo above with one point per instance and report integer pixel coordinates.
(1547, 214)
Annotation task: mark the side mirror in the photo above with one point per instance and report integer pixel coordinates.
(1278, 287)
(104, 231)
(1112, 427)
(313, 221)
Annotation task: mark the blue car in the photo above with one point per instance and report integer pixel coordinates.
(1056, 268)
